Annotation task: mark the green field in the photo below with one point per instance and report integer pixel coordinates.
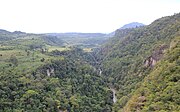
(52, 48)
(28, 52)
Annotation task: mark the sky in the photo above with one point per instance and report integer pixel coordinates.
(87, 16)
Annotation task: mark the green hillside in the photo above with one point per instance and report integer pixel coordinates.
(137, 70)
(83, 40)
(132, 54)
(38, 73)
(159, 92)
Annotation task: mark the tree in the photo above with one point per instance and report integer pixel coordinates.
(14, 60)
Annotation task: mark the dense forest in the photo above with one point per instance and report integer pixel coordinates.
(131, 56)
(136, 70)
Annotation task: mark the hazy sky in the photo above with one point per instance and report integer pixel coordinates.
(42, 16)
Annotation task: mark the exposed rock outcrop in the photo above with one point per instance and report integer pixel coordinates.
(156, 56)
(50, 71)
(114, 95)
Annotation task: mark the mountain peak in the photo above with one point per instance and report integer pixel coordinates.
(132, 25)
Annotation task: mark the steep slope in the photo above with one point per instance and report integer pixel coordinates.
(160, 90)
(130, 57)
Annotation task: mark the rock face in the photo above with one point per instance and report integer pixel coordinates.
(114, 95)
(100, 71)
(140, 102)
(50, 71)
(156, 56)
(150, 62)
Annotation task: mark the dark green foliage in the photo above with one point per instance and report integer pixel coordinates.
(141, 65)
(130, 56)
(13, 60)
(161, 87)
(53, 41)
(72, 85)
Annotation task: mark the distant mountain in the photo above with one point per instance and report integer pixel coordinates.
(74, 34)
(82, 39)
(132, 25)
(18, 37)
(18, 32)
(4, 31)
(126, 26)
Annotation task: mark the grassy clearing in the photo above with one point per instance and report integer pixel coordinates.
(6, 54)
(52, 48)
(87, 49)
(28, 59)
(26, 63)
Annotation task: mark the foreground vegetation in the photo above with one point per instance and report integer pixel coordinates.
(160, 89)
(36, 75)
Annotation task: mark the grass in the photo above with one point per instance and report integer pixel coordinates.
(87, 49)
(28, 60)
(26, 63)
(6, 54)
(52, 48)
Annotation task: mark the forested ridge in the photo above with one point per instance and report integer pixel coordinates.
(159, 91)
(137, 70)
(132, 54)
